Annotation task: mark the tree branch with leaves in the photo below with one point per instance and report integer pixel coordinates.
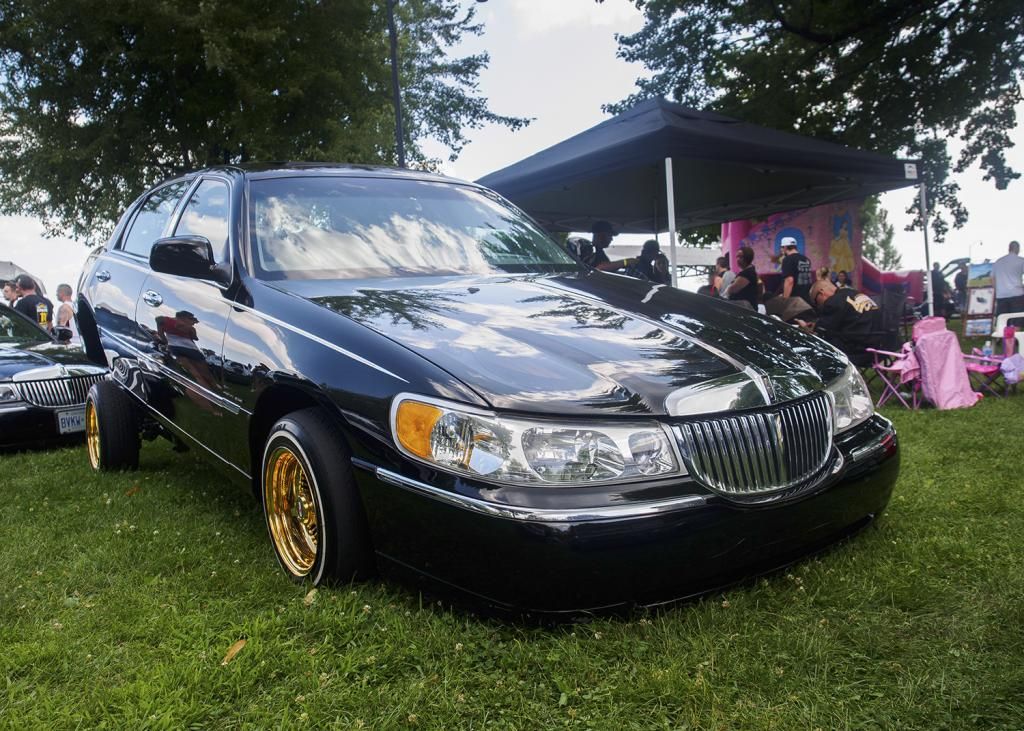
(98, 101)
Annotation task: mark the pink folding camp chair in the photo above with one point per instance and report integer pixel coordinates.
(900, 372)
(900, 375)
(986, 372)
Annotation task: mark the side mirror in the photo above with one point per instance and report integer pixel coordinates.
(186, 256)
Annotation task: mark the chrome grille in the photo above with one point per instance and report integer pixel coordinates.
(58, 391)
(760, 453)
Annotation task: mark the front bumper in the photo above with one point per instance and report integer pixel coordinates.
(541, 560)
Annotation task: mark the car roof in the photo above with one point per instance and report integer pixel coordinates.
(258, 170)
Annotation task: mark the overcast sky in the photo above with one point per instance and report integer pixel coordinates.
(555, 62)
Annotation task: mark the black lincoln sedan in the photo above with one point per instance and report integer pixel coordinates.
(416, 379)
(43, 385)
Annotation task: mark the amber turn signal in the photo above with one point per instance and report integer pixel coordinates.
(414, 423)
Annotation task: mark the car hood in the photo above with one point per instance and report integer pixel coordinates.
(592, 343)
(36, 361)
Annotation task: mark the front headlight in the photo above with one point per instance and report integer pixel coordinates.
(527, 451)
(9, 393)
(852, 400)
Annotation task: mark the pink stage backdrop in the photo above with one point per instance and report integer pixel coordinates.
(828, 235)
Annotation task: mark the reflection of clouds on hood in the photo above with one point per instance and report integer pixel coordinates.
(485, 338)
(597, 390)
(471, 336)
(640, 368)
(506, 317)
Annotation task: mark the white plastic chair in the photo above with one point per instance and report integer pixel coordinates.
(1001, 322)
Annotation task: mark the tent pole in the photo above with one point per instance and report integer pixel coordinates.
(671, 200)
(927, 255)
(654, 226)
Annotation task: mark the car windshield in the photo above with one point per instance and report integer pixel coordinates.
(357, 228)
(14, 328)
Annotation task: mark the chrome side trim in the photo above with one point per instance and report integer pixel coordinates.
(318, 339)
(539, 515)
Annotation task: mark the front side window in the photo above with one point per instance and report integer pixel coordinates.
(206, 214)
(357, 228)
(152, 217)
(16, 328)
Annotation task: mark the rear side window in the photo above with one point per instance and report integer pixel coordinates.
(207, 215)
(152, 217)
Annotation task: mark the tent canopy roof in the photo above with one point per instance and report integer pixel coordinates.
(9, 271)
(723, 170)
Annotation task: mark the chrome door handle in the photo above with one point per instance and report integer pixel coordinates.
(102, 275)
(153, 299)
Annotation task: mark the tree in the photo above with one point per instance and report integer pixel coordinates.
(878, 236)
(100, 100)
(894, 76)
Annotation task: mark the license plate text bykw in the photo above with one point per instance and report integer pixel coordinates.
(71, 421)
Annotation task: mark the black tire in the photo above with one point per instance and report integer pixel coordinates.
(111, 428)
(306, 473)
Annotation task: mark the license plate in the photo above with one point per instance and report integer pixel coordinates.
(71, 420)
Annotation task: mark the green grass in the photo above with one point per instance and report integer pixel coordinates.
(120, 596)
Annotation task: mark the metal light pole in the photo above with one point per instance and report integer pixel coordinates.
(396, 90)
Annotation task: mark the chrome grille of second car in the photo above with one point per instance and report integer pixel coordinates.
(759, 453)
(69, 391)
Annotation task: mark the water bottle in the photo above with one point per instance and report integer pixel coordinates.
(987, 350)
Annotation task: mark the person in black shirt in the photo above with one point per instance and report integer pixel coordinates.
(602, 234)
(960, 284)
(31, 305)
(796, 271)
(940, 293)
(847, 318)
(744, 287)
(651, 265)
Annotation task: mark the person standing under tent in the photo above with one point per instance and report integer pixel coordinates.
(651, 265)
(724, 276)
(602, 234)
(1007, 274)
(796, 270)
(745, 287)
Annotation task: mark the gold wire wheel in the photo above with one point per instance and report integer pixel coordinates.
(92, 434)
(291, 511)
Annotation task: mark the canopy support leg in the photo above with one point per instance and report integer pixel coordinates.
(671, 200)
(927, 254)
